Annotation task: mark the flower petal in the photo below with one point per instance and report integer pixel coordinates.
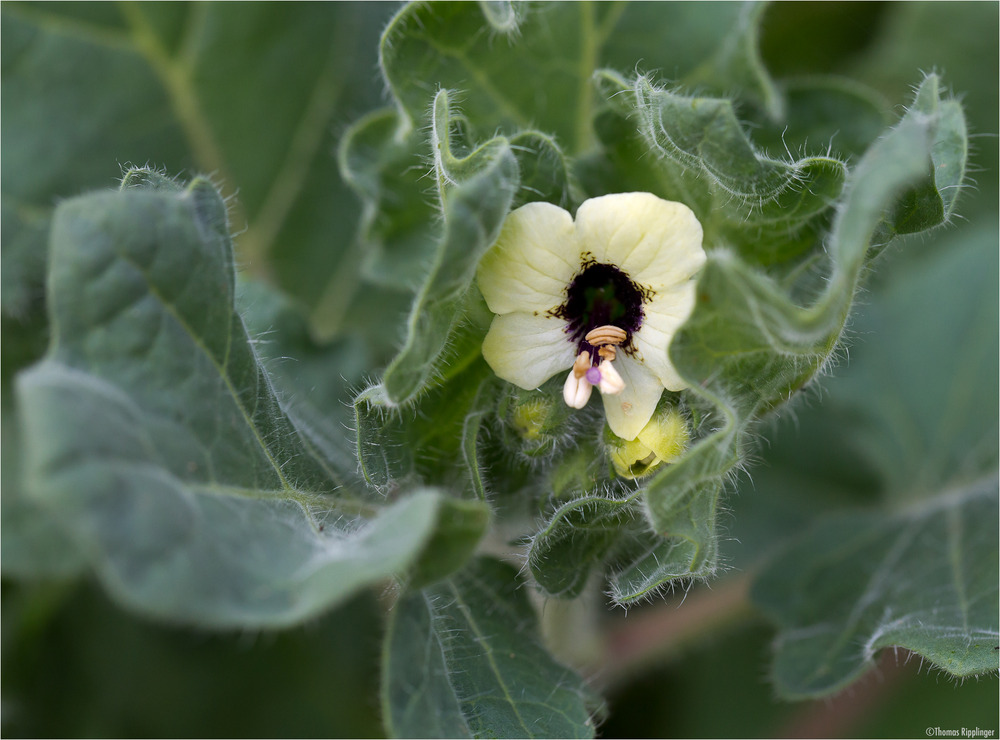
(662, 317)
(656, 242)
(629, 411)
(533, 260)
(526, 349)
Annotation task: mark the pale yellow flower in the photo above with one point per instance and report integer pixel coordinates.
(621, 273)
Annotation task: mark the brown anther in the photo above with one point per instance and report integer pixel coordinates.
(607, 352)
(582, 365)
(604, 335)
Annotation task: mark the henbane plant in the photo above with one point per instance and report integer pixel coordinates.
(553, 216)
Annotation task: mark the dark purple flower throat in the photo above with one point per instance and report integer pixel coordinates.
(599, 295)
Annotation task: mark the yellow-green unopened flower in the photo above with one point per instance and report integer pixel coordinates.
(600, 296)
(662, 440)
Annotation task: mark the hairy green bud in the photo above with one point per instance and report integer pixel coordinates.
(662, 440)
(534, 422)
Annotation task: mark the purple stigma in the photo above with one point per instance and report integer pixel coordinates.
(593, 376)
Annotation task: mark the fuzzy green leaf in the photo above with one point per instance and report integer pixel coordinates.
(32, 542)
(387, 168)
(925, 580)
(932, 200)
(425, 442)
(154, 438)
(578, 536)
(837, 114)
(463, 659)
(461, 524)
(917, 572)
(381, 457)
(34, 545)
(187, 87)
(389, 453)
(476, 191)
(520, 67)
(487, 57)
(544, 170)
(316, 379)
(736, 63)
(472, 429)
(694, 150)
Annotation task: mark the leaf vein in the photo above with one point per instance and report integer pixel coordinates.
(223, 373)
(488, 652)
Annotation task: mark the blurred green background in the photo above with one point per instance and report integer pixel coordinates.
(76, 665)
